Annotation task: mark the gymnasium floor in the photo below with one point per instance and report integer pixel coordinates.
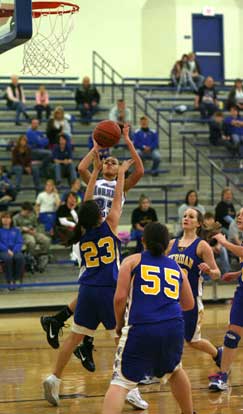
(26, 359)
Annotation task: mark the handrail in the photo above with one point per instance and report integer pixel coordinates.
(208, 170)
(107, 72)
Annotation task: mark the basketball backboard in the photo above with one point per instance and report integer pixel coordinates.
(15, 23)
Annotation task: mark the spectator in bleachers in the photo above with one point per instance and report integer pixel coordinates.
(67, 213)
(141, 215)
(147, 144)
(87, 99)
(47, 203)
(235, 96)
(225, 211)
(59, 123)
(42, 103)
(217, 130)
(33, 233)
(75, 188)
(206, 99)
(11, 243)
(16, 99)
(194, 72)
(191, 200)
(38, 143)
(21, 163)
(234, 130)
(63, 160)
(179, 70)
(7, 190)
(220, 252)
(120, 113)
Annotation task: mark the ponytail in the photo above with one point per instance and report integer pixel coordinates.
(156, 238)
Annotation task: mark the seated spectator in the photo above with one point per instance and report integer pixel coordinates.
(210, 228)
(194, 72)
(11, 243)
(67, 213)
(120, 113)
(16, 99)
(147, 145)
(58, 124)
(141, 215)
(235, 97)
(225, 211)
(75, 188)
(21, 163)
(234, 131)
(87, 99)
(7, 191)
(38, 144)
(63, 161)
(47, 203)
(178, 72)
(206, 99)
(217, 130)
(103, 153)
(42, 103)
(33, 233)
(191, 200)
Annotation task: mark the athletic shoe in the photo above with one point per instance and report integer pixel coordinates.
(149, 380)
(218, 382)
(134, 398)
(84, 353)
(52, 328)
(219, 356)
(51, 389)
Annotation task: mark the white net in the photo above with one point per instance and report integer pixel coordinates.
(44, 53)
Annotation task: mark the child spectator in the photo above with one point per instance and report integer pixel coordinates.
(7, 191)
(141, 215)
(11, 243)
(42, 103)
(217, 129)
(225, 211)
(62, 157)
(47, 203)
(76, 189)
(234, 130)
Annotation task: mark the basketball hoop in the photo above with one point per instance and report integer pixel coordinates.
(44, 53)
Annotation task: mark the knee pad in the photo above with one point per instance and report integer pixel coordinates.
(231, 339)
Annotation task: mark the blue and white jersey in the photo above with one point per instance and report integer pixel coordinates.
(100, 255)
(103, 195)
(188, 260)
(155, 290)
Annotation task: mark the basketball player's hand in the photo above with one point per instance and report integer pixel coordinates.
(126, 132)
(126, 165)
(204, 268)
(96, 146)
(96, 160)
(227, 277)
(220, 238)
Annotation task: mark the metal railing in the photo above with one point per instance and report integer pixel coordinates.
(102, 68)
(209, 168)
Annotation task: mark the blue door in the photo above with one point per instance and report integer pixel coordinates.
(208, 44)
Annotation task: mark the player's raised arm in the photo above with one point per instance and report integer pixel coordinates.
(138, 171)
(208, 266)
(116, 207)
(83, 167)
(93, 177)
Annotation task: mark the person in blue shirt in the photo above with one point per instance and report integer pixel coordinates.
(219, 381)
(76, 187)
(99, 248)
(234, 130)
(38, 143)
(7, 190)
(146, 143)
(151, 289)
(195, 257)
(63, 160)
(11, 243)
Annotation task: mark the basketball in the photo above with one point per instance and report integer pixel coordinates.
(107, 133)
